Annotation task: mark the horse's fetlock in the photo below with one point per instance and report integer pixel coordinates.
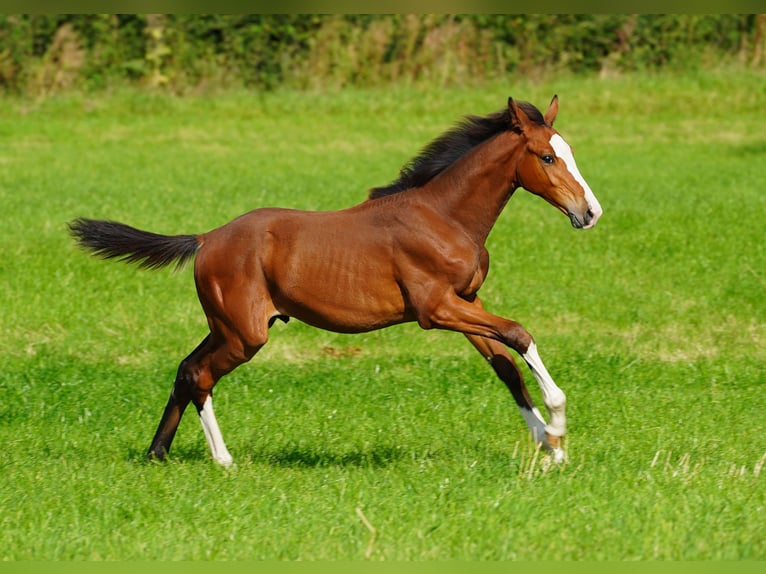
(557, 401)
(554, 398)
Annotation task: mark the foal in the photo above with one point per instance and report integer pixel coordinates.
(414, 251)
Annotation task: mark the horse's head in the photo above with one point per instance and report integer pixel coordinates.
(547, 167)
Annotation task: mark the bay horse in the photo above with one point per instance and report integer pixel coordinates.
(412, 251)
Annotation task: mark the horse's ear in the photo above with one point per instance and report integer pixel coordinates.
(517, 117)
(553, 110)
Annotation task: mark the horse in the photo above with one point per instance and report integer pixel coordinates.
(412, 251)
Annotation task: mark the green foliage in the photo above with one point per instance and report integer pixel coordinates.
(653, 323)
(182, 52)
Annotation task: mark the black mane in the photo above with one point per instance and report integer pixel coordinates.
(451, 146)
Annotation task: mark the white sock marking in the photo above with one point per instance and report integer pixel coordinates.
(213, 433)
(563, 151)
(553, 397)
(535, 422)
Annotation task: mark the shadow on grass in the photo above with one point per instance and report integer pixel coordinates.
(191, 453)
(292, 456)
(307, 457)
(752, 148)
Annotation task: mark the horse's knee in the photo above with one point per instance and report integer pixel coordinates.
(518, 338)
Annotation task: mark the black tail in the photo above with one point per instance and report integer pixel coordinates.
(112, 240)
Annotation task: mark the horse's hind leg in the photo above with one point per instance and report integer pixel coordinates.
(179, 399)
(197, 375)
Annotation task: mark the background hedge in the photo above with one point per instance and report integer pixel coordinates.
(40, 54)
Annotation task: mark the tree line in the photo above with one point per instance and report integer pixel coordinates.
(42, 54)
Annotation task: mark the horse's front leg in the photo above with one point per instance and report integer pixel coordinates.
(471, 319)
(505, 368)
(554, 398)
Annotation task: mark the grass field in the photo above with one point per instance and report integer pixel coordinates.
(654, 324)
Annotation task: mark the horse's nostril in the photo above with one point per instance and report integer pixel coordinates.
(576, 223)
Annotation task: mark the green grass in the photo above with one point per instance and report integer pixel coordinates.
(654, 324)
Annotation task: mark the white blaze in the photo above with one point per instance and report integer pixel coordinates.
(564, 152)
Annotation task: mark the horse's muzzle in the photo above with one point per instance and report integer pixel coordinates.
(586, 221)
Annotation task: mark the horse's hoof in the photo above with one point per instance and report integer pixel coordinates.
(558, 455)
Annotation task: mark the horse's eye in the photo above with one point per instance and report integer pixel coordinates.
(548, 159)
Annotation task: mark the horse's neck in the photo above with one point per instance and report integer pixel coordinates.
(473, 192)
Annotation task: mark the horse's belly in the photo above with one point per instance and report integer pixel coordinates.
(344, 309)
